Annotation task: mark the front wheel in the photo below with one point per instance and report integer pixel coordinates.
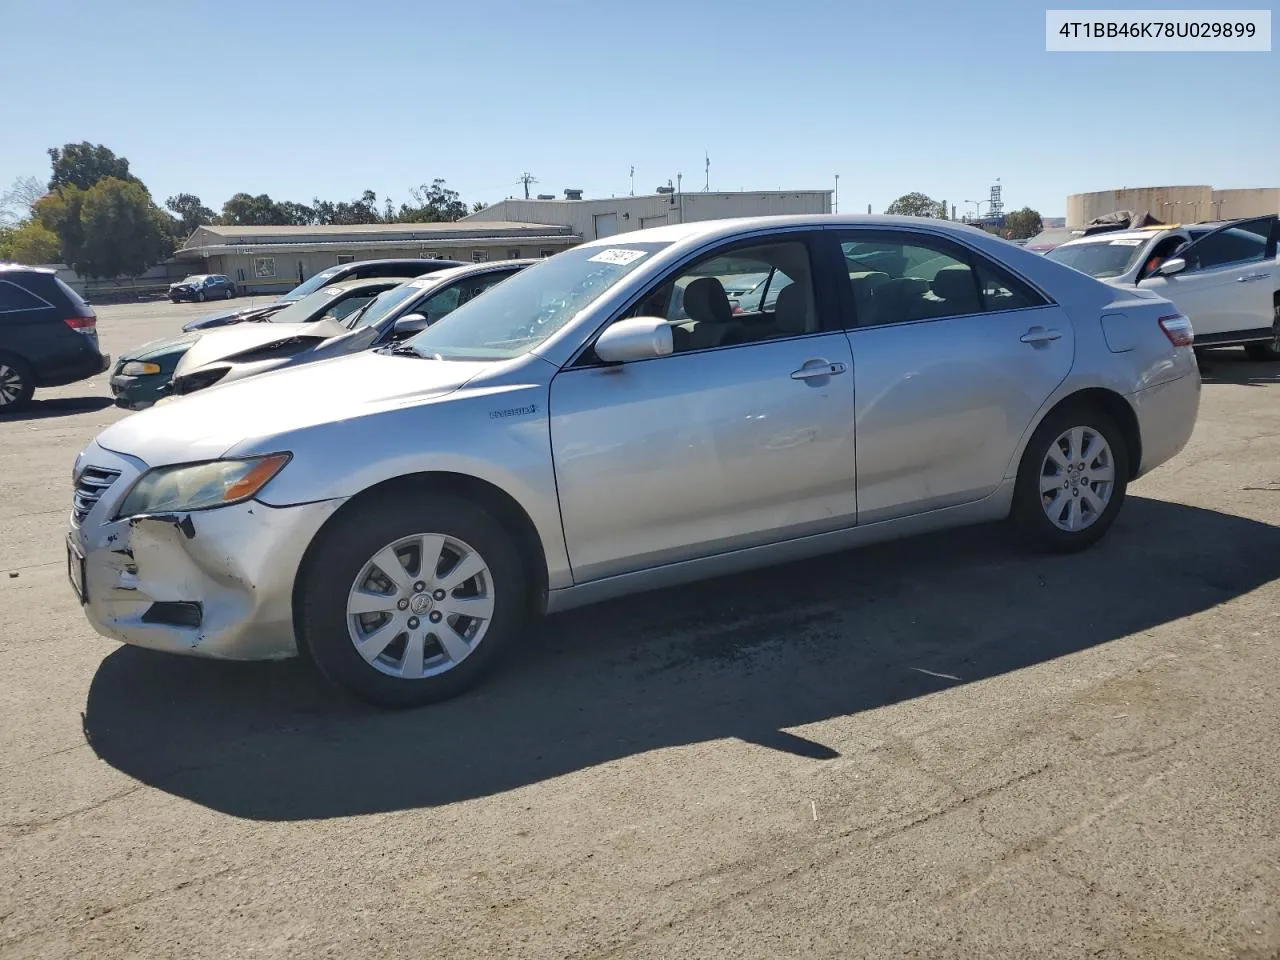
(409, 602)
(1071, 481)
(200, 296)
(230, 293)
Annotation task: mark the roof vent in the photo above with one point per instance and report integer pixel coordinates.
(546, 196)
(665, 190)
(572, 194)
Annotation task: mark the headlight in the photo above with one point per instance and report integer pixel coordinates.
(139, 368)
(200, 486)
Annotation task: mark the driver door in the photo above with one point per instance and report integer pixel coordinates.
(1228, 286)
(742, 436)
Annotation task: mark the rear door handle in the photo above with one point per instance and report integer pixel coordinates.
(1252, 276)
(1040, 335)
(818, 368)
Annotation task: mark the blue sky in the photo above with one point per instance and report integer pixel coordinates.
(325, 98)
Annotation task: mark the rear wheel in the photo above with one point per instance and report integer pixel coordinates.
(1072, 480)
(230, 293)
(408, 602)
(17, 384)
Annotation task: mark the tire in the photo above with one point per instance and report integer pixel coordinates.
(230, 293)
(1269, 350)
(173, 299)
(344, 562)
(200, 296)
(1032, 509)
(17, 384)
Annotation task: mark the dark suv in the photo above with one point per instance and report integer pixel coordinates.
(48, 335)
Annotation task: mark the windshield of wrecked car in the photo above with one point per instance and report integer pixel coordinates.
(390, 300)
(308, 307)
(1109, 258)
(312, 285)
(516, 315)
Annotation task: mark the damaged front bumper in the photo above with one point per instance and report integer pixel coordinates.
(213, 583)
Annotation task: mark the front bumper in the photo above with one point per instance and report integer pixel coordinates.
(228, 573)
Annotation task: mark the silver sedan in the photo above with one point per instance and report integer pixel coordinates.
(605, 422)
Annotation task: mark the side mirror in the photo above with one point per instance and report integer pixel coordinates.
(637, 338)
(1171, 266)
(408, 325)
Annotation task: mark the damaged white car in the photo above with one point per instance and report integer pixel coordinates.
(606, 422)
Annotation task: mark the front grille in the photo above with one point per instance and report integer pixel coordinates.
(90, 486)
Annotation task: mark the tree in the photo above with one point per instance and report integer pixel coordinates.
(245, 210)
(478, 206)
(1022, 224)
(18, 202)
(191, 213)
(121, 231)
(432, 203)
(31, 243)
(59, 213)
(84, 164)
(363, 210)
(913, 205)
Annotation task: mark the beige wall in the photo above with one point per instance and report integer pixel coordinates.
(1170, 204)
(1237, 204)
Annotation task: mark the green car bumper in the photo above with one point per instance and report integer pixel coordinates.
(140, 391)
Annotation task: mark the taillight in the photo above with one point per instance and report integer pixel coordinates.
(85, 325)
(1178, 329)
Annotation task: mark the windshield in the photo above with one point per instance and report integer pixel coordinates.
(1111, 258)
(516, 315)
(388, 301)
(307, 307)
(194, 278)
(312, 285)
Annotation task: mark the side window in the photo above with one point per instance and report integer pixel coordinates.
(898, 281)
(745, 295)
(14, 297)
(1244, 243)
(440, 304)
(1001, 290)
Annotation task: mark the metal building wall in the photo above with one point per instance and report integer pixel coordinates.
(1237, 204)
(1175, 204)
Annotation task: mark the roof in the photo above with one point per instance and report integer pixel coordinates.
(346, 286)
(1144, 234)
(474, 228)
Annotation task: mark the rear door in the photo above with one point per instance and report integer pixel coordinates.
(30, 325)
(952, 358)
(1228, 286)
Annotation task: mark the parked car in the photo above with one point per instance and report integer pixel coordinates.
(224, 356)
(1047, 239)
(1224, 276)
(48, 335)
(227, 317)
(203, 286)
(561, 439)
(142, 374)
(357, 270)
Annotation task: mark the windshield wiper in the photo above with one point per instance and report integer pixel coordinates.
(401, 350)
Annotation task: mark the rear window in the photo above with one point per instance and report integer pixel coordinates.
(76, 300)
(14, 297)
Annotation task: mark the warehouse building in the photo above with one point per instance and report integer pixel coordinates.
(1175, 204)
(593, 219)
(275, 259)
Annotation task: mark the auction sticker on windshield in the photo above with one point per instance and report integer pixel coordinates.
(1127, 243)
(617, 256)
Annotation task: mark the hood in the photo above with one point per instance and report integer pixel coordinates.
(162, 347)
(221, 344)
(207, 424)
(230, 316)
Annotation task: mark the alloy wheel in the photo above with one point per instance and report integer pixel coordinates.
(1077, 478)
(11, 385)
(420, 606)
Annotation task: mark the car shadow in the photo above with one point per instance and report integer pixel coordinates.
(745, 656)
(58, 407)
(1233, 366)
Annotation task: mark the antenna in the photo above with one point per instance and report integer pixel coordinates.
(526, 178)
(633, 180)
(707, 187)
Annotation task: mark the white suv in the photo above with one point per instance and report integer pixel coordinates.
(1224, 276)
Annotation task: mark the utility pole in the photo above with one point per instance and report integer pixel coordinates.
(707, 187)
(633, 180)
(527, 178)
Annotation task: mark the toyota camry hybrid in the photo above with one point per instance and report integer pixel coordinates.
(606, 422)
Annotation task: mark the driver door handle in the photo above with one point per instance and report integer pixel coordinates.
(1040, 335)
(1252, 276)
(820, 368)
